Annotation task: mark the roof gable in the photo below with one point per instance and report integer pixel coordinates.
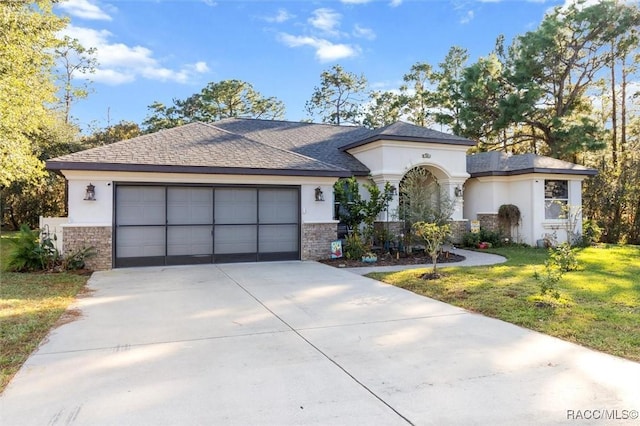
(401, 131)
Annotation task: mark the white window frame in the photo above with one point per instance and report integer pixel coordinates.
(553, 202)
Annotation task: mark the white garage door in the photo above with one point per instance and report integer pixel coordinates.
(171, 225)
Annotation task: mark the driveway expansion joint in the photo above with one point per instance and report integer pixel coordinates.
(127, 346)
(321, 352)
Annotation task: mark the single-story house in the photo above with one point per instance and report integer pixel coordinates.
(259, 190)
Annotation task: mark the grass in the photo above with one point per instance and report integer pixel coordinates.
(30, 305)
(599, 305)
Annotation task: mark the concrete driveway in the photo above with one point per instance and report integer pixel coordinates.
(302, 343)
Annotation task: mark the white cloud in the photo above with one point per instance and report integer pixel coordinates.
(395, 3)
(326, 20)
(280, 17)
(355, 1)
(467, 17)
(85, 9)
(326, 51)
(363, 32)
(119, 63)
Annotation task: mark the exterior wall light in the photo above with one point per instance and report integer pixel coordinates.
(458, 191)
(91, 193)
(319, 194)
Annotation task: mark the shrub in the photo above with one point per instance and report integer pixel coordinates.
(77, 259)
(354, 246)
(491, 237)
(563, 257)
(32, 252)
(471, 239)
(29, 253)
(591, 232)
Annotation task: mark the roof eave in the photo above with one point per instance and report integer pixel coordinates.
(537, 170)
(159, 168)
(460, 142)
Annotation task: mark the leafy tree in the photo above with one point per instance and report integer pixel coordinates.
(216, 101)
(25, 200)
(28, 37)
(418, 98)
(422, 199)
(74, 58)
(336, 99)
(481, 92)
(449, 93)
(383, 109)
(550, 70)
(163, 117)
(354, 210)
(118, 132)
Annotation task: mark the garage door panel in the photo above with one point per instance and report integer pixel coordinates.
(236, 205)
(278, 205)
(236, 239)
(189, 240)
(278, 238)
(189, 206)
(140, 205)
(140, 241)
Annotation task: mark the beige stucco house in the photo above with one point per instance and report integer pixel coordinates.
(260, 190)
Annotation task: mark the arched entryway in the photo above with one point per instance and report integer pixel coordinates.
(423, 197)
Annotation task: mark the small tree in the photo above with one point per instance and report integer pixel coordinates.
(433, 236)
(354, 211)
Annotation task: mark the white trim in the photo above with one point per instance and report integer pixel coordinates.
(86, 225)
(321, 222)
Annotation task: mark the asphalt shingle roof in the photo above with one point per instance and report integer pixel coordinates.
(195, 147)
(502, 164)
(248, 146)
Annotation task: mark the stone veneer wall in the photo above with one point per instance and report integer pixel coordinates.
(98, 237)
(316, 240)
(489, 221)
(458, 229)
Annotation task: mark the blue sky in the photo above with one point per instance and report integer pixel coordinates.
(157, 50)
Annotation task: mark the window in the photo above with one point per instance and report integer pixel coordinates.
(556, 198)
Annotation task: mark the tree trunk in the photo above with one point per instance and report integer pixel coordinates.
(623, 106)
(614, 118)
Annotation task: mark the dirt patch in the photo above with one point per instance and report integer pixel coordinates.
(392, 260)
(70, 315)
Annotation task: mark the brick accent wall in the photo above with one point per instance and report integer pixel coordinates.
(316, 240)
(458, 229)
(489, 221)
(99, 237)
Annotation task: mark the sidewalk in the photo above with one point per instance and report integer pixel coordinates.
(473, 258)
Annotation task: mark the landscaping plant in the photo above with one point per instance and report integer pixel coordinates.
(29, 253)
(355, 211)
(433, 236)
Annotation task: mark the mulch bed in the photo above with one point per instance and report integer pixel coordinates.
(418, 258)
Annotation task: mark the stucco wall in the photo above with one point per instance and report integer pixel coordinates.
(485, 195)
(390, 160)
(101, 210)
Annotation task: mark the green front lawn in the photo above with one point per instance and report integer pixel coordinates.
(30, 305)
(599, 305)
